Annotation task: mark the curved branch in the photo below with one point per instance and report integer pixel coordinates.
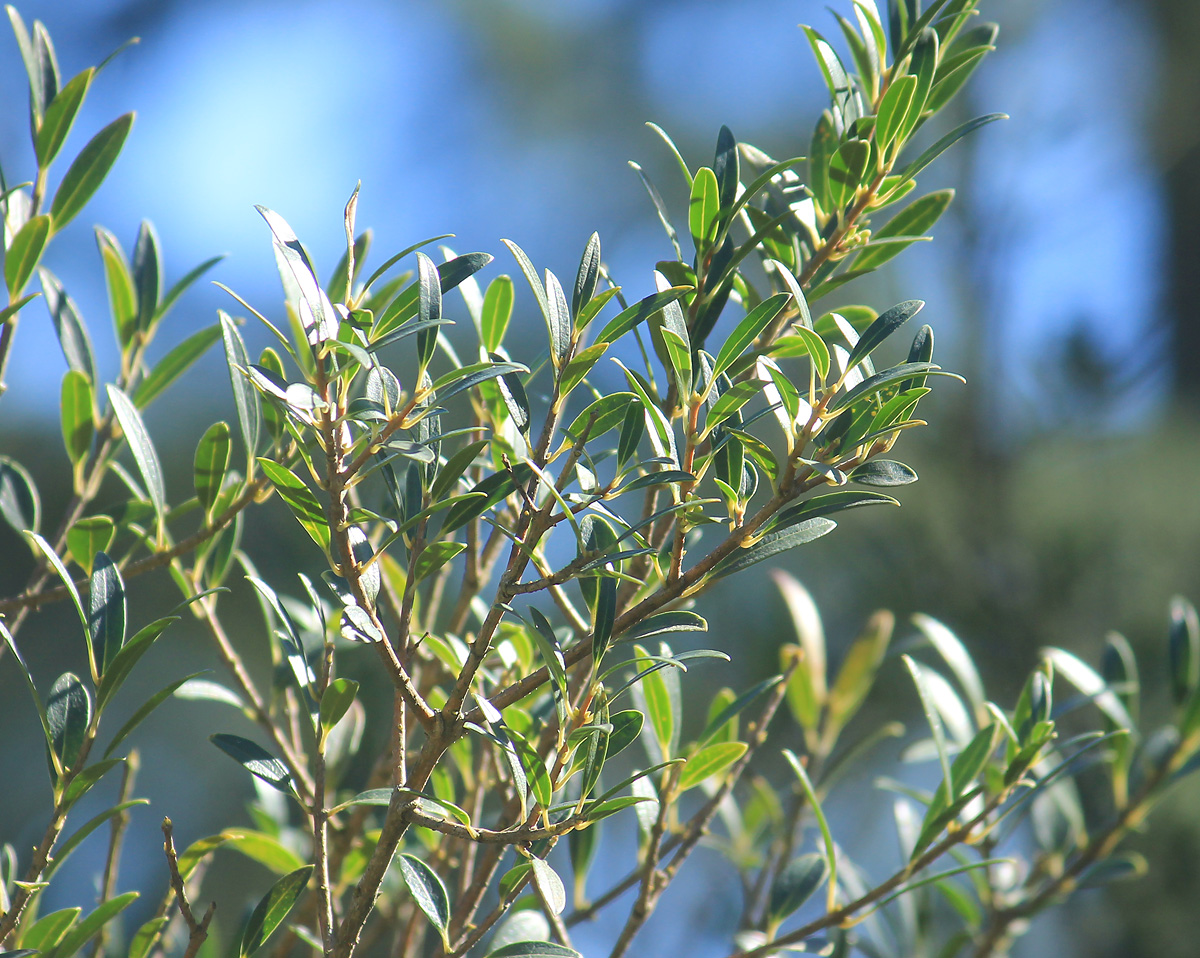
(35, 600)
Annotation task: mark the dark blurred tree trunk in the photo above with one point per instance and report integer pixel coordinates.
(1178, 25)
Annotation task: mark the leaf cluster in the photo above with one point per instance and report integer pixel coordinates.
(518, 548)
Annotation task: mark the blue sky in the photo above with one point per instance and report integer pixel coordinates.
(451, 123)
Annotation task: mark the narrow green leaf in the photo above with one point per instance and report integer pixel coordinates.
(582, 844)
(606, 613)
(832, 503)
(586, 276)
(857, 674)
(893, 108)
(407, 304)
(729, 402)
(836, 78)
(643, 309)
(795, 884)
(662, 435)
(83, 782)
(147, 275)
(265, 849)
(196, 852)
(659, 206)
(45, 933)
(255, 759)
(429, 308)
(559, 319)
(68, 712)
(883, 472)
(87, 537)
(549, 884)
(68, 325)
(87, 172)
(923, 65)
(547, 642)
(106, 619)
(47, 61)
(726, 168)
(496, 312)
(12, 309)
(577, 368)
(956, 656)
(913, 220)
(536, 775)
(141, 447)
(316, 312)
(810, 794)
(953, 73)
(56, 563)
(941, 877)
(11, 644)
(487, 493)
(709, 761)
(633, 427)
(145, 937)
(24, 253)
(773, 544)
(848, 170)
(932, 715)
(748, 329)
(534, 949)
(300, 499)
(426, 804)
(392, 261)
(33, 70)
(173, 294)
(19, 501)
(1088, 681)
(78, 415)
(212, 459)
(887, 323)
(245, 396)
(467, 377)
(91, 925)
(944, 144)
(1183, 650)
(62, 851)
(953, 793)
(658, 702)
(449, 474)
(824, 142)
(173, 365)
(873, 384)
(203, 690)
(336, 700)
(703, 208)
(535, 283)
(429, 893)
(123, 667)
(807, 688)
(433, 557)
(122, 296)
(270, 912)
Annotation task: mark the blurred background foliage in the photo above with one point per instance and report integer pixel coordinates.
(1058, 495)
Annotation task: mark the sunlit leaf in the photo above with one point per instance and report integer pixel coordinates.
(273, 908)
(88, 171)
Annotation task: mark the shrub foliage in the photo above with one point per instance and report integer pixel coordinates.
(520, 551)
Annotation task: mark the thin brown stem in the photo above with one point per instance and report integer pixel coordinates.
(197, 929)
(112, 862)
(36, 598)
(258, 707)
